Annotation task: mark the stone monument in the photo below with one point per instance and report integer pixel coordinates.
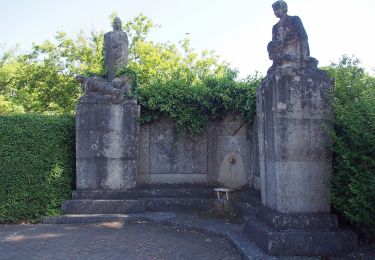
(115, 48)
(107, 126)
(294, 118)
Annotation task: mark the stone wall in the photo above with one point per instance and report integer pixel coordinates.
(223, 153)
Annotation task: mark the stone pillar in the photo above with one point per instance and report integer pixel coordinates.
(106, 143)
(294, 120)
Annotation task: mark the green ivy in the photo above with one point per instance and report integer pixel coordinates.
(131, 76)
(191, 104)
(36, 164)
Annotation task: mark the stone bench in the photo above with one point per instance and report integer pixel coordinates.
(222, 191)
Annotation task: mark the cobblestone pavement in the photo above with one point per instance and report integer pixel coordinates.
(110, 241)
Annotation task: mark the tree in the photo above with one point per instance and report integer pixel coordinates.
(42, 81)
(162, 62)
(353, 182)
(7, 72)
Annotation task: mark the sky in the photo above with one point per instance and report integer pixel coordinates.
(237, 30)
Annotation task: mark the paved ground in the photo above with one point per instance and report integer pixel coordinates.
(110, 241)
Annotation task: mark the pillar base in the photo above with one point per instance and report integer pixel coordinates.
(299, 234)
(106, 143)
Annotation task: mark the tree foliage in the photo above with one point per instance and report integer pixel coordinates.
(42, 80)
(353, 182)
(163, 62)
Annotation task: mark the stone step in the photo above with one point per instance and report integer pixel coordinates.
(249, 206)
(300, 242)
(205, 193)
(136, 206)
(244, 210)
(90, 218)
(251, 197)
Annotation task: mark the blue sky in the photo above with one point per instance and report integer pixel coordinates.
(238, 30)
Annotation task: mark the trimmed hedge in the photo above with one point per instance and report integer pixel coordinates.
(36, 165)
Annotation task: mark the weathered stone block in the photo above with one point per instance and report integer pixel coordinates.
(107, 137)
(302, 243)
(99, 114)
(172, 156)
(302, 187)
(143, 175)
(177, 178)
(105, 174)
(106, 144)
(281, 234)
(302, 140)
(254, 157)
(294, 118)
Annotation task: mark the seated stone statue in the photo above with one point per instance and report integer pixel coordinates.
(115, 89)
(289, 46)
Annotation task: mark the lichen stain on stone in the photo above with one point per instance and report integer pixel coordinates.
(114, 179)
(160, 137)
(281, 106)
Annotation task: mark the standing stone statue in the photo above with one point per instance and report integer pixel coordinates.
(289, 45)
(107, 126)
(116, 55)
(116, 49)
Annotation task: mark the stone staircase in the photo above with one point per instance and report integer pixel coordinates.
(256, 231)
(93, 203)
(189, 208)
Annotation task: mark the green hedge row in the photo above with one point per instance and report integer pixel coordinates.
(36, 165)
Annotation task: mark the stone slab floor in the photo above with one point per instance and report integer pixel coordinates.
(110, 241)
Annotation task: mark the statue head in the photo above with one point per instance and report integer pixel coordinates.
(117, 24)
(280, 8)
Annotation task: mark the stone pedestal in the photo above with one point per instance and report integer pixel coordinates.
(294, 122)
(294, 119)
(106, 143)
